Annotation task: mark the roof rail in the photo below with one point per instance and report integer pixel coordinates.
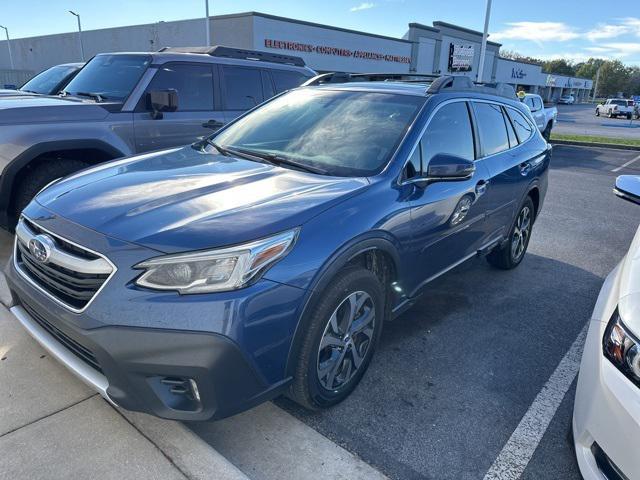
(230, 52)
(439, 83)
(344, 77)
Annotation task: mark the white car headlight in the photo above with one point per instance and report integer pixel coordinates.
(215, 270)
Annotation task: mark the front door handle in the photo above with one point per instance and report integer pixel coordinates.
(481, 187)
(213, 124)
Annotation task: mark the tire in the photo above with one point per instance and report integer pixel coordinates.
(628, 116)
(597, 112)
(506, 256)
(546, 133)
(609, 114)
(310, 386)
(39, 177)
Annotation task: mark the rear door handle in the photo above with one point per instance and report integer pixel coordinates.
(525, 168)
(213, 124)
(481, 187)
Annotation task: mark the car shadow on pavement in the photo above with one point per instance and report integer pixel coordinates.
(453, 376)
(590, 158)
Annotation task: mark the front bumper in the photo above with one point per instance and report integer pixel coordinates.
(184, 357)
(606, 417)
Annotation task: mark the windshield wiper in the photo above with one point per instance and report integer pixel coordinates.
(96, 96)
(279, 160)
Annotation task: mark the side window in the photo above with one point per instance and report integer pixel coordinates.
(194, 84)
(522, 127)
(286, 80)
(513, 140)
(448, 132)
(414, 168)
(528, 101)
(537, 103)
(492, 128)
(243, 86)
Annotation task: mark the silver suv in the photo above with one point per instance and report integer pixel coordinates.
(122, 104)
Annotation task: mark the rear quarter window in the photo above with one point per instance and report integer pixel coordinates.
(523, 128)
(285, 80)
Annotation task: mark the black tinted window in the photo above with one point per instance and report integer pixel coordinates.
(522, 127)
(493, 132)
(513, 140)
(243, 87)
(287, 80)
(450, 132)
(194, 84)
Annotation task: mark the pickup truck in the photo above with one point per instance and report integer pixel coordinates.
(545, 117)
(616, 107)
(121, 104)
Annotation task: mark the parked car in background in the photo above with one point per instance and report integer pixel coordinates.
(48, 82)
(567, 100)
(545, 117)
(125, 103)
(606, 416)
(195, 282)
(616, 107)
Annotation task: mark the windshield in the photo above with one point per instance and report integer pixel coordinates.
(112, 77)
(343, 133)
(48, 82)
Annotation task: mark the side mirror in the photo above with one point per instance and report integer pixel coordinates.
(159, 101)
(444, 167)
(628, 188)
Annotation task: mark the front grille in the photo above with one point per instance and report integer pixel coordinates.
(76, 348)
(71, 287)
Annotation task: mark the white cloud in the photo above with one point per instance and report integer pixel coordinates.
(606, 31)
(623, 49)
(362, 6)
(538, 32)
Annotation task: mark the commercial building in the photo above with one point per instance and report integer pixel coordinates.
(442, 48)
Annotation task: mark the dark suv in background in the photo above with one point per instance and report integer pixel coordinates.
(121, 104)
(196, 282)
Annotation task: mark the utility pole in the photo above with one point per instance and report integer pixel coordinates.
(483, 48)
(6, 31)
(77, 15)
(595, 87)
(206, 22)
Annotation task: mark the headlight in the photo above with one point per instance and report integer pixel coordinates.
(215, 270)
(622, 349)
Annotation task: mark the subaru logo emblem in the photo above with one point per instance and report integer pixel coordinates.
(40, 247)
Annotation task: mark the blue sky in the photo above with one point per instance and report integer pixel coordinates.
(574, 29)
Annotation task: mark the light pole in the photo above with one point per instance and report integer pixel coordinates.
(6, 31)
(206, 22)
(77, 15)
(483, 48)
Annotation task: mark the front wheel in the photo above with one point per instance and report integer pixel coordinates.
(510, 254)
(546, 133)
(341, 333)
(597, 112)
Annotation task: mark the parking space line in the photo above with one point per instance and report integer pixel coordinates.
(517, 452)
(617, 169)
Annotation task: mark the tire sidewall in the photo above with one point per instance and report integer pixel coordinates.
(350, 281)
(526, 203)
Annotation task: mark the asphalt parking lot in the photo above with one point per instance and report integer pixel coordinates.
(581, 120)
(454, 376)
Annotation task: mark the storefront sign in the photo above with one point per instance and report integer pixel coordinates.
(460, 57)
(335, 51)
(551, 81)
(518, 73)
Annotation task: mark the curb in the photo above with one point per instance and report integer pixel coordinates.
(195, 458)
(598, 145)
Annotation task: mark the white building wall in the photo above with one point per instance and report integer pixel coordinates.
(332, 50)
(426, 55)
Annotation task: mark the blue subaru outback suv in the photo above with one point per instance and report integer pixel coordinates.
(196, 282)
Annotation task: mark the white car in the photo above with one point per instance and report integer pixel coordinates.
(567, 99)
(606, 415)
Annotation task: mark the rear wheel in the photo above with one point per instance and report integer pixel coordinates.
(510, 254)
(341, 334)
(39, 177)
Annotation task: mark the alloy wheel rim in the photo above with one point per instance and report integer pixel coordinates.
(521, 234)
(346, 340)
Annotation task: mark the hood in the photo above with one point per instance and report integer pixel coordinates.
(184, 199)
(629, 287)
(24, 109)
